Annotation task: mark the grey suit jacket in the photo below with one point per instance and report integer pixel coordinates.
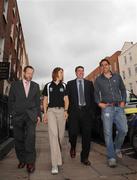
(18, 103)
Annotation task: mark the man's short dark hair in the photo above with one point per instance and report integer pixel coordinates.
(78, 68)
(28, 67)
(106, 60)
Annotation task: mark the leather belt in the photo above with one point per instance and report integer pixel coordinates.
(56, 107)
(116, 104)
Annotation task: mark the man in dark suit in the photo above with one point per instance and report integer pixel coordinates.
(24, 106)
(81, 105)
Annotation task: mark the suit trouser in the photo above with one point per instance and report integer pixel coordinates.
(56, 128)
(24, 134)
(80, 122)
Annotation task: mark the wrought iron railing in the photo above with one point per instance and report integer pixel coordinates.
(4, 119)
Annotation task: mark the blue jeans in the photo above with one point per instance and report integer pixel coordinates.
(110, 115)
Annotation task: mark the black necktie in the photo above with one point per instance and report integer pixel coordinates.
(81, 94)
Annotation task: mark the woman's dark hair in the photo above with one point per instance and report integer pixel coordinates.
(55, 73)
(106, 60)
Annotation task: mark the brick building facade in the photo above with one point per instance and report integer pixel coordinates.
(12, 43)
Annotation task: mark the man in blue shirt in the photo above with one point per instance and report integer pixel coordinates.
(110, 95)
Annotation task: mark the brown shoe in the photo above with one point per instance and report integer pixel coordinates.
(72, 152)
(21, 165)
(30, 168)
(86, 162)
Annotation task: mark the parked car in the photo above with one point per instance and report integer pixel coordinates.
(131, 113)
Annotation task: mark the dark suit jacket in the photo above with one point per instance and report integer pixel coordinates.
(73, 94)
(19, 104)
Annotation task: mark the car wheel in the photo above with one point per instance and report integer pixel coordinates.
(134, 140)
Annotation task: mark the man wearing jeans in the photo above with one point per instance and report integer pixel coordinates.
(110, 95)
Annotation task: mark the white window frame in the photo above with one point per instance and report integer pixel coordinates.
(14, 10)
(10, 59)
(2, 40)
(124, 75)
(19, 53)
(17, 25)
(125, 59)
(135, 66)
(20, 36)
(130, 56)
(18, 74)
(12, 31)
(16, 40)
(129, 72)
(5, 9)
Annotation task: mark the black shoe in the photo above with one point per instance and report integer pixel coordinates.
(86, 162)
(21, 165)
(72, 152)
(30, 168)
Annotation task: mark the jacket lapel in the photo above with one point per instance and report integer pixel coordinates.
(85, 89)
(76, 90)
(31, 89)
(22, 88)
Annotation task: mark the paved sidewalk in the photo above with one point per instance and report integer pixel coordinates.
(72, 169)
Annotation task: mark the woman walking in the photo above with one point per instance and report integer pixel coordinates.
(55, 113)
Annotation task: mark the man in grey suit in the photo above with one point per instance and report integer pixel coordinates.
(24, 106)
